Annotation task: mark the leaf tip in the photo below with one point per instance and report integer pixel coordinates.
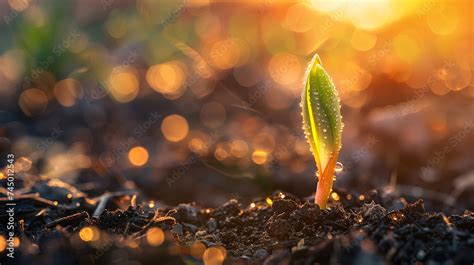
(317, 59)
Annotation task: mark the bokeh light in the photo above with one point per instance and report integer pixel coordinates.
(138, 156)
(197, 250)
(33, 101)
(155, 236)
(239, 148)
(89, 233)
(3, 243)
(175, 128)
(67, 91)
(225, 54)
(167, 78)
(124, 84)
(214, 256)
(259, 157)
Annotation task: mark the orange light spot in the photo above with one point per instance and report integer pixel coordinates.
(259, 157)
(167, 79)
(197, 145)
(89, 233)
(239, 148)
(123, 85)
(3, 243)
(225, 54)
(221, 153)
(33, 101)
(155, 236)
(16, 242)
(214, 256)
(197, 250)
(67, 91)
(175, 128)
(138, 156)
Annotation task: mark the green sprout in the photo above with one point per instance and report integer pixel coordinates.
(322, 124)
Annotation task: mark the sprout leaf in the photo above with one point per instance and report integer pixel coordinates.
(322, 124)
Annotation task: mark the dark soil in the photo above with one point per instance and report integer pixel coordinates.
(294, 231)
(280, 229)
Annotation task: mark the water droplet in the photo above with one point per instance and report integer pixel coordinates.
(339, 167)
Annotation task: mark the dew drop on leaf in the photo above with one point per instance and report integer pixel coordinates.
(339, 167)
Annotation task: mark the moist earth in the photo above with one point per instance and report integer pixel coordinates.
(279, 229)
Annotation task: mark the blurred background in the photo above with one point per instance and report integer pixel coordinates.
(199, 100)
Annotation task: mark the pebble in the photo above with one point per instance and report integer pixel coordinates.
(187, 213)
(279, 229)
(211, 225)
(373, 211)
(201, 233)
(190, 227)
(178, 229)
(231, 208)
(260, 254)
(284, 206)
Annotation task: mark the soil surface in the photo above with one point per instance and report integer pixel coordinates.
(279, 229)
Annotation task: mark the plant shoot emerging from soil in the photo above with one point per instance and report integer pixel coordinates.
(322, 124)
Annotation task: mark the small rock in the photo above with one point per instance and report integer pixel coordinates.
(260, 254)
(201, 233)
(231, 208)
(284, 206)
(421, 254)
(309, 213)
(186, 213)
(279, 229)
(415, 209)
(372, 211)
(178, 229)
(211, 225)
(190, 227)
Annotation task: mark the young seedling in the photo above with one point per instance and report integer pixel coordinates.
(322, 124)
